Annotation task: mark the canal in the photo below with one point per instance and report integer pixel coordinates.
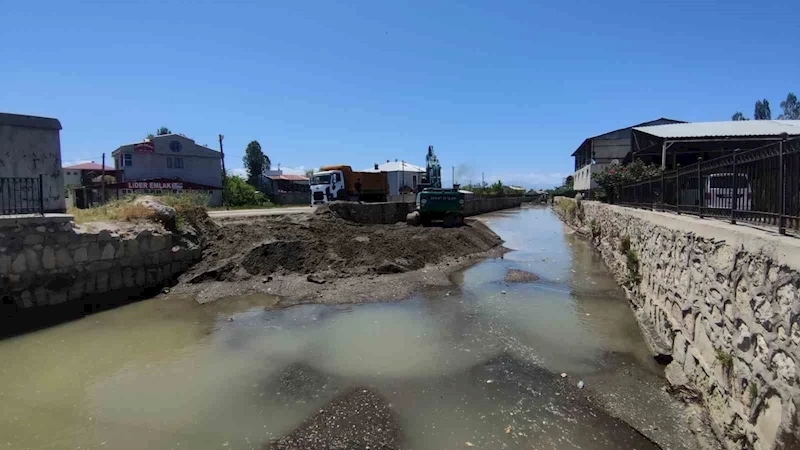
(479, 364)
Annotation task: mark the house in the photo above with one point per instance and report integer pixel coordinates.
(286, 189)
(169, 163)
(596, 153)
(403, 177)
(80, 181)
(30, 165)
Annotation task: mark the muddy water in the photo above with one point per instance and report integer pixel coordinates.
(475, 365)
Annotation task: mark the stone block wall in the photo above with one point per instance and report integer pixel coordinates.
(46, 262)
(722, 300)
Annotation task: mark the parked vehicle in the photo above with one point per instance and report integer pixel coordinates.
(717, 192)
(339, 183)
(446, 205)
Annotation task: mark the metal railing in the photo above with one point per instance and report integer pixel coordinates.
(21, 196)
(759, 186)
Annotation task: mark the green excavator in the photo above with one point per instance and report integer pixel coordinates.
(435, 203)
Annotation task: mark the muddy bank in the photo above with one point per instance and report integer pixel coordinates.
(324, 259)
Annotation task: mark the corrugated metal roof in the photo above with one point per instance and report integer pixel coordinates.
(396, 166)
(287, 177)
(730, 128)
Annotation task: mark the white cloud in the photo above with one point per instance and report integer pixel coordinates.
(238, 172)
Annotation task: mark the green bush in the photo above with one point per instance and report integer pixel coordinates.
(725, 359)
(595, 228)
(612, 178)
(238, 193)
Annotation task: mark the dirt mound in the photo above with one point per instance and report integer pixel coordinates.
(520, 276)
(330, 246)
(357, 420)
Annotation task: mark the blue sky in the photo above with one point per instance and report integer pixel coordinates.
(509, 89)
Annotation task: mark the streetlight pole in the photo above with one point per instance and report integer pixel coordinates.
(224, 174)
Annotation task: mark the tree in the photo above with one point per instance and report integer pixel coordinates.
(762, 111)
(150, 136)
(256, 163)
(738, 116)
(162, 131)
(310, 173)
(791, 109)
(614, 177)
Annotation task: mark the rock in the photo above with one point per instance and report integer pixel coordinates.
(580, 384)
(388, 267)
(162, 213)
(520, 276)
(266, 280)
(413, 218)
(563, 375)
(315, 279)
(503, 292)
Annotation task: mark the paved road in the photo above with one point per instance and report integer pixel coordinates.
(260, 212)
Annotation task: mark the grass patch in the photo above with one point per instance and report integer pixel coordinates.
(187, 206)
(568, 208)
(725, 359)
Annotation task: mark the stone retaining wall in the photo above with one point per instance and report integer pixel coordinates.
(722, 300)
(393, 212)
(47, 262)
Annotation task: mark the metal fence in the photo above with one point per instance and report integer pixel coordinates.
(21, 196)
(760, 186)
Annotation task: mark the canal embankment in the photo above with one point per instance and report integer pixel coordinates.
(718, 301)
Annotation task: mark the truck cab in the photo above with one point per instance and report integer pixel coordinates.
(327, 186)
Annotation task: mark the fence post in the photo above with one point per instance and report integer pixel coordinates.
(41, 195)
(781, 189)
(735, 194)
(699, 190)
(661, 193)
(677, 189)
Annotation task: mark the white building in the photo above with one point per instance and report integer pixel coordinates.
(403, 177)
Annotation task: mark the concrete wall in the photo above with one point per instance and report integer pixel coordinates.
(30, 146)
(46, 262)
(393, 212)
(723, 301)
(201, 164)
(292, 198)
(583, 178)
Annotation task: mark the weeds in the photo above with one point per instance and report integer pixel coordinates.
(187, 206)
(752, 392)
(625, 244)
(726, 360)
(595, 228)
(568, 208)
(633, 266)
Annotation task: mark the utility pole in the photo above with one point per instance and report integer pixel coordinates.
(224, 174)
(483, 181)
(454, 176)
(103, 180)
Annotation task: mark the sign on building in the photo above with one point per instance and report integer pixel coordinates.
(154, 185)
(144, 147)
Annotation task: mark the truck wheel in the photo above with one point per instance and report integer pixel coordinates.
(449, 221)
(460, 220)
(425, 220)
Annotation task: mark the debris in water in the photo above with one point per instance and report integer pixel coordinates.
(563, 375)
(508, 429)
(503, 292)
(580, 384)
(489, 381)
(470, 444)
(448, 294)
(230, 319)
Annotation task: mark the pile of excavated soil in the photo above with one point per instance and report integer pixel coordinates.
(330, 248)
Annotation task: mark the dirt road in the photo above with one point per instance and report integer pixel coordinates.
(261, 212)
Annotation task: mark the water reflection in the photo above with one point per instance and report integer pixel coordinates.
(468, 364)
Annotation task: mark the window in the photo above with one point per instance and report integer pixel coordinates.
(179, 163)
(169, 163)
(128, 159)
